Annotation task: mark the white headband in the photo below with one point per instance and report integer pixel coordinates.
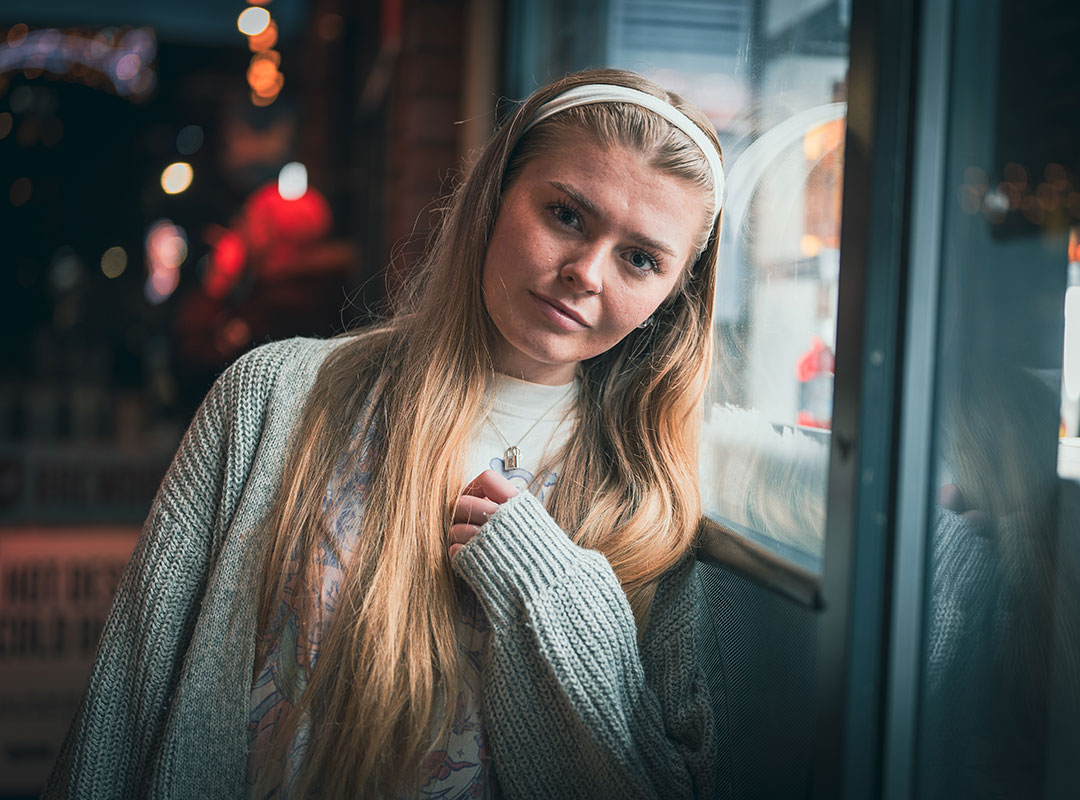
(611, 93)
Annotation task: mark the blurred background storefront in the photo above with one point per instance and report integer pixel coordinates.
(180, 182)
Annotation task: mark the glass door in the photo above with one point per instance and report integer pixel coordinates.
(985, 665)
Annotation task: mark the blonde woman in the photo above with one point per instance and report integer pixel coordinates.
(449, 555)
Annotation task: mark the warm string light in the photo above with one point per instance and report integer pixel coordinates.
(263, 74)
(114, 262)
(292, 181)
(1038, 201)
(176, 178)
(253, 21)
(116, 58)
(166, 249)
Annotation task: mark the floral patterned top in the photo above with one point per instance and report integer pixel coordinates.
(460, 767)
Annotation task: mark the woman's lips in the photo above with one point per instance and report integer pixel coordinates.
(563, 316)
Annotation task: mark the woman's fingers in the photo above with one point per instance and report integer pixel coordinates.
(474, 510)
(950, 497)
(492, 485)
(478, 501)
(461, 533)
(473, 488)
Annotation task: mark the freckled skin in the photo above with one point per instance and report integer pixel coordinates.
(591, 262)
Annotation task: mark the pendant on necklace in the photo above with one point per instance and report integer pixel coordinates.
(510, 457)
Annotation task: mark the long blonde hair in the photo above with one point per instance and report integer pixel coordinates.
(380, 693)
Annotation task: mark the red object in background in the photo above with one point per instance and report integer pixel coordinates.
(817, 360)
(814, 369)
(275, 272)
(269, 237)
(226, 264)
(269, 219)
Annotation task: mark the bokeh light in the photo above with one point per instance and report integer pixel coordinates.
(263, 76)
(264, 40)
(166, 250)
(127, 67)
(1057, 176)
(810, 245)
(116, 57)
(176, 177)
(66, 269)
(292, 181)
(17, 34)
(189, 140)
(6, 121)
(20, 192)
(114, 262)
(1047, 197)
(253, 21)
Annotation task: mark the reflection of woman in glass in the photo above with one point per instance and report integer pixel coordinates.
(322, 601)
(1004, 597)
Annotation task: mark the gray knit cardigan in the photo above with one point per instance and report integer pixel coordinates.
(573, 707)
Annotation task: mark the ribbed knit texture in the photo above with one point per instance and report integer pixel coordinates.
(572, 708)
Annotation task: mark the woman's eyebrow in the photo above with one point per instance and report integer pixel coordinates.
(590, 208)
(586, 204)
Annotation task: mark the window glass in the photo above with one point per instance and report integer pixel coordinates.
(1000, 709)
(771, 75)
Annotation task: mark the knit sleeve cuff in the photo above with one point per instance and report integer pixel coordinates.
(521, 553)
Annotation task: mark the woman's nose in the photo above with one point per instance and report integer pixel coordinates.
(584, 272)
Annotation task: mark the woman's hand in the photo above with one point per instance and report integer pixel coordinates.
(951, 498)
(479, 500)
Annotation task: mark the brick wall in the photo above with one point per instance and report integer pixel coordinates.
(422, 143)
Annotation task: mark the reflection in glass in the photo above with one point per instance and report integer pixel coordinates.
(764, 460)
(1004, 589)
(766, 483)
(1000, 699)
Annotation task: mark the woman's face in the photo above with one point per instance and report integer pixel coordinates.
(588, 242)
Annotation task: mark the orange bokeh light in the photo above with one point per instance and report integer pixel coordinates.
(265, 40)
(262, 102)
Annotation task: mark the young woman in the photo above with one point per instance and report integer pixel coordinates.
(449, 555)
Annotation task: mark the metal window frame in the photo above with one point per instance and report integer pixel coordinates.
(860, 525)
(917, 414)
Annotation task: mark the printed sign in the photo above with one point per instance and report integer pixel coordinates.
(56, 587)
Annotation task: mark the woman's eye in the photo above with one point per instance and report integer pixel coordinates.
(566, 216)
(641, 260)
